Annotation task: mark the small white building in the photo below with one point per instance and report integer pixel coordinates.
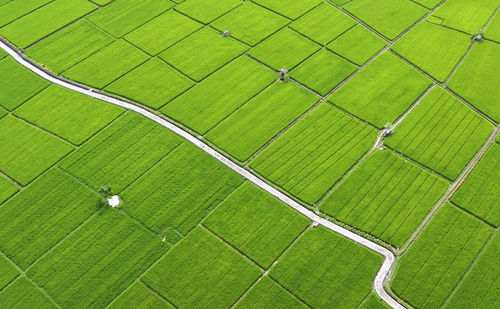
(114, 201)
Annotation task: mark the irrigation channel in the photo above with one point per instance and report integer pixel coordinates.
(389, 258)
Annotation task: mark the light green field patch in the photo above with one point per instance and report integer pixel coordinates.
(122, 16)
(12, 10)
(433, 266)
(35, 26)
(12, 95)
(22, 293)
(480, 193)
(430, 4)
(323, 71)
(311, 156)
(256, 223)
(99, 260)
(292, 10)
(223, 92)
(434, 49)
(285, 49)
(121, 153)
(388, 17)
(493, 29)
(477, 78)
(69, 46)
(41, 215)
(153, 83)
(202, 271)
(382, 91)
(139, 296)
(250, 23)
(26, 151)
(441, 133)
(386, 196)
(323, 24)
(202, 53)
(258, 121)
(8, 270)
(69, 114)
(342, 272)
(206, 11)
(180, 190)
(358, 44)
(162, 32)
(107, 64)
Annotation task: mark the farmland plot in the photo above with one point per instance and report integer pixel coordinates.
(493, 29)
(256, 224)
(386, 197)
(12, 10)
(382, 91)
(291, 10)
(373, 301)
(180, 191)
(139, 296)
(327, 270)
(441, 133)
(2, 54)
(7, 188)
(434, 264)
(96, 262)
(202, 271)
(430, 4)
(8, 270)
(22, 293)
(316, 152)
(206, 11)
(480, 193)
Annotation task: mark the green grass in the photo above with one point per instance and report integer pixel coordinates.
(493, 29)
(373, 301)
(316, 152)
(267, 294)
(323, 24)
(468, 16)
(180, 191)
(212, 100)
(22, 293)
(386, 196)
(96, 262)
(323, 71)
(122, 16)
(162, 32)
(258, 121)
(12, 95)
(12, 10)
(27, 151)
(202, 53)
(2, 54)
(434, 49)
(358, 44)
(69, 46)
(477, 77)
(441, 133)
(388, 17)
(291, 10)
(256, 224)
(327, 270)
(107, 64)
(7, 188)
(433, 266)
(139, 296)
(8, 270)
(480, 193)
(41, 215)
(382, 91)
(35, 26)
(250, 23)
(153, 83)
(202, 271)
(206, 11)
(121, 153)
(285, 49)
(68, 114)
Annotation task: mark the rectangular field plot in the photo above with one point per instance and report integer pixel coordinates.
(42, 214)
(7, 188)
(69, 114)
(316, 152)
(382, 91)
(292, 10)
(441, 133)
(386, 197)
(22, 293)
(35, 26)
(99, 260)
(258, 121)
(327, 270)
(11, 10)
(435, 263)
(69, 46)
(256, 223)
(8, 270)
(206, 11)
(26, 151)
(493, 29)
(139, 296)
(180, 191)
(434, 49)
(209, 102)
(121, 153)
(480, 193)
(202, 271)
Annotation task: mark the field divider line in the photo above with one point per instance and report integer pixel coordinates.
(152, 290)
(389, 257)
